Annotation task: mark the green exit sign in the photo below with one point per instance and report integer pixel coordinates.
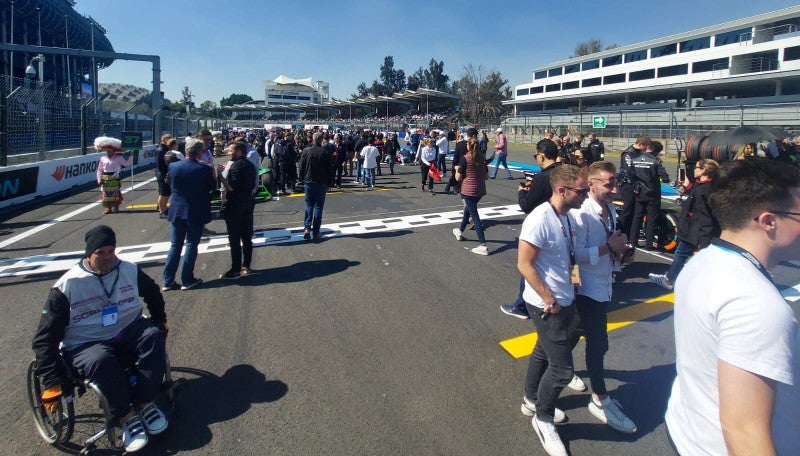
(131, 140)
(598, 121)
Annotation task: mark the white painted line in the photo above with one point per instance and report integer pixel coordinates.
(48, 224)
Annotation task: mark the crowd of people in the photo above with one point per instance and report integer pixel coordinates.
(734, 332)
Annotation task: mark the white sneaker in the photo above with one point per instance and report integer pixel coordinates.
(154, 420)
(481, 250)
(528, 408)
(549, 437)
(608, 412)
(134, 438)
(660, 279)
(577, 384)
(457, 234)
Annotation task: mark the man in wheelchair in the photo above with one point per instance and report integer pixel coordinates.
(95, 312)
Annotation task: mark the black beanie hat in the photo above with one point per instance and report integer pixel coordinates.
(99, 236)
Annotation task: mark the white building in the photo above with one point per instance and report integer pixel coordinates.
(284, 90)
(756, 57)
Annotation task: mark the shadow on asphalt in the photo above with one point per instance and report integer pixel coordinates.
(298, 272)
(206, 398)
(654, 383)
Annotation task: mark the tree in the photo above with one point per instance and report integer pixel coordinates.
(416, 80)
(432, 78)
(361, 91)
(590, 47)
(481, 95)
(208, 106)
(391, 80)
(234, 99)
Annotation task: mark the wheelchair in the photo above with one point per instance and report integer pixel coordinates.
(58, 428)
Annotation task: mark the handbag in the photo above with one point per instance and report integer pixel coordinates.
(434, 173)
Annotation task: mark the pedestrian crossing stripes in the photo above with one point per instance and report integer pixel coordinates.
(55, 262)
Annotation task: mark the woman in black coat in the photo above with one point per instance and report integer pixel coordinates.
(697, 224)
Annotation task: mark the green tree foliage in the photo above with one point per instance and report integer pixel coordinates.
(432, 78)
(482, 95)
(234, 99)
(590, 47)
(391, 80)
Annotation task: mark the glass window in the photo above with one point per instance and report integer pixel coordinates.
(570, 85)
(791, 53)
(303, 98)
(554, 72)
(553, 87)
(641, 75)
(661, 51)
(673, 70)
(521, 92)
(735, 36)
(635, 56)
(535, 90)
(614, 79)
(591, 82)
(590, 65)
(696, 44)
(290, 97)
(574, 68)
(710, 65)
(613, 60)
(540, 74)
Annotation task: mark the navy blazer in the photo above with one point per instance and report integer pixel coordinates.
(191, 183)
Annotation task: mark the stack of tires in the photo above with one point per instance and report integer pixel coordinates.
(700, 147)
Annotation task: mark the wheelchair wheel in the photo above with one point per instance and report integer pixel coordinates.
(55, 428)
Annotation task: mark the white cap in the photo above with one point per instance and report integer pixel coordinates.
(499, 130)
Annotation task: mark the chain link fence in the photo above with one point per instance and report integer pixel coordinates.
(38, 123)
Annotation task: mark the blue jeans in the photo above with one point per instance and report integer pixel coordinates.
(683, 252)
(190, 233)
(501, 160)
(315, 201)
(471, 210)
(550, 366)
(369, 177)
(392, 159)
(359, 168)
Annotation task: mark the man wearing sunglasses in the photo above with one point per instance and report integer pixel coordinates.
(547, 261)
(736, 338)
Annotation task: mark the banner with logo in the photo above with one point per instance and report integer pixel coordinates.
(25, 182)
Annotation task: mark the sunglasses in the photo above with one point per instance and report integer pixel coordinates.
(579, 191)
(755, 219)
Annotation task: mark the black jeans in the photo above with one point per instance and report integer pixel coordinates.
(239, 221)
(590, 322)
(550, 365)
(100, 363)
(423, 168)
(651, 208)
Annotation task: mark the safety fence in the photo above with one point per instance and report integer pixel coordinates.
(38, 123)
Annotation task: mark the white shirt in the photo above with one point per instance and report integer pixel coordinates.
(543, 228)
(443, 145)
(370, 155)
(724, 309)
(591, 231)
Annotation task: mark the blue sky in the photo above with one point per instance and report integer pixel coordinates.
(218, 48)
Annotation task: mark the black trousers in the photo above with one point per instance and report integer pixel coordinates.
(591, 318)
(100, 363)
(423, 168)
(652, 209)
(239, 221)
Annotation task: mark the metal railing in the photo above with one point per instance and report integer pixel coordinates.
(39, 123)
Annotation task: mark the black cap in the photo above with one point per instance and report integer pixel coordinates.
(97, 237)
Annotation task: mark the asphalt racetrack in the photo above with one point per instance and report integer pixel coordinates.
(385, 338)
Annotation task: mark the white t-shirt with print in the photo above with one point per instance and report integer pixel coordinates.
(543, 228)
(725, 308)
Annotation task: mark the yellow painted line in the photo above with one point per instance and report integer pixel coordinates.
(141, 206)
(522, 346)
(360, 190)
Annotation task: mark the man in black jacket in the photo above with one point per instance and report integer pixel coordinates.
(531, 194)
(239, 193)
(315, 170)
(162, 180)
(95, 311)
(597, 150)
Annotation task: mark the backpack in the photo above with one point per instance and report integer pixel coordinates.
(279, 149)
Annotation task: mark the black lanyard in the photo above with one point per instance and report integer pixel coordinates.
(608, 223)
(113, 285)
(725, 245)
(567, 235)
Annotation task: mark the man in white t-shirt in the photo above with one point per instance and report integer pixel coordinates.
(735, 335)
(598, 245)
(370, 155)
(546, 259)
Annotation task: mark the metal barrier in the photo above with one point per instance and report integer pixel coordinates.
(38, 123)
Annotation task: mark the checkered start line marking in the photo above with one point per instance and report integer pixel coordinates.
(56, 262)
